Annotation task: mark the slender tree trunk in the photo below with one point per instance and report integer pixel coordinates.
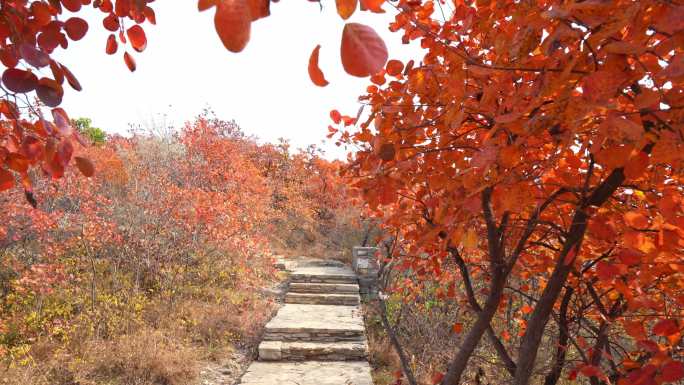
(563, 334)
(529, 346)
(397, 346)
(460, 361)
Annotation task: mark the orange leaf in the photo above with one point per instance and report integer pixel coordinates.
(636, 165)
(130, 62)
(233, 21)
(457, 328)
(315, 72)
(363, 52)
(346, 8)
(136, 35)
(526, 309)
(469, 240)
(372, 5)
(636, 219)
(85, 166)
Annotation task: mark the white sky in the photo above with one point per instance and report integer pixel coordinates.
(185, 68)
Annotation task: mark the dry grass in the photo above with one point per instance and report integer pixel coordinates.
(145, 358)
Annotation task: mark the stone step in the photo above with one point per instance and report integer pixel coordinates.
(324, 274)
(322, 323)
(324, 288)
(317, 351)
(308, 373)
(322, 299)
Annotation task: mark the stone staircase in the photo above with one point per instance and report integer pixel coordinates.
(317, 337)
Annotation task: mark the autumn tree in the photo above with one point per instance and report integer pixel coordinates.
(36, 133)
(536, 150)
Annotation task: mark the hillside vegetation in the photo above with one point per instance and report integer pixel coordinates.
(155, 264)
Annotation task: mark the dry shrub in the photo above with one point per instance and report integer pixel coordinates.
(146, 358)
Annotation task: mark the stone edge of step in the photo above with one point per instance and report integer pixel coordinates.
(273, 350)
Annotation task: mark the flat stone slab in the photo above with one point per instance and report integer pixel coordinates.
(313, 351)
(331, 288)
(308, 373)
(323, 274)
(298, 322)
(323, 299)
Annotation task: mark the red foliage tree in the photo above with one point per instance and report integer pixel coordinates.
(537, 148)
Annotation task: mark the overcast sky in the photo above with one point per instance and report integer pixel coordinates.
(185, 68)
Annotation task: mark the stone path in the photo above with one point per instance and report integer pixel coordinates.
(317, 337)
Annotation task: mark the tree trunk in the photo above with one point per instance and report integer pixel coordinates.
(460, 361)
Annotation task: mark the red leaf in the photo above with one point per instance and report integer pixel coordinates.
(150, 15)
(33, 55)
(111, 22)
(203, 5)
(31, 147)
(259, 9)
(591, 371)
(336, 116)
(6, 179)
(363, 52)
(17, 162)
(64, 152)
(73, 82)
(346, 8)
(85, 165)
(394, 67)
(62, 121)
(606, 271)
(233, 21)
(49, 92)
(130, 62)
(76, 28)
(112, 45)
(387, 152)
(72, 5)
(57, 72)
(672, 371)
(437, 378)
(665, 328)
(136, 35)
(19, 81)
(315, 72)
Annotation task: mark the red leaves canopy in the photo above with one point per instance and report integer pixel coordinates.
(520, 116)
